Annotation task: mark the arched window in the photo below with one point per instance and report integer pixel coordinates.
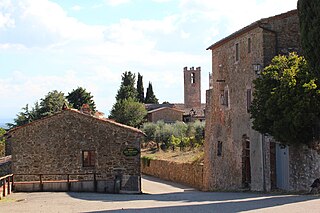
(193, 78)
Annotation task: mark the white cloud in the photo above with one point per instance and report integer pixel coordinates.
(234, 14)
(76, 8)
(95, 56)
(117, 2)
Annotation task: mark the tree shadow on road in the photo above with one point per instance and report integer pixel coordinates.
(194, 201)
(190, 200)
(216, 205)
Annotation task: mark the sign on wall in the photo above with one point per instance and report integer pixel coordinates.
(130, 151)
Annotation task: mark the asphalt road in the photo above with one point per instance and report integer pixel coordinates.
(159, 196)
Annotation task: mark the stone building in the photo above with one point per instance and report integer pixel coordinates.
(192, 87)
(166, 114)
(192, 107)
(74, 145)
(236, 156)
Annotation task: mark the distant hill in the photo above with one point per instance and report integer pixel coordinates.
(3, 123)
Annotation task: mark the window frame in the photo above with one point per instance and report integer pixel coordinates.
(219, 148)
(88, 161)
(249, 99)
(249, 45)
(237, 52)
(193, 78)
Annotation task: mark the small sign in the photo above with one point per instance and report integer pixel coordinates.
(129, 152)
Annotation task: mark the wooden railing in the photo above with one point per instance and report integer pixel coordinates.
(5, 159)
(6, 183)
(67, 180)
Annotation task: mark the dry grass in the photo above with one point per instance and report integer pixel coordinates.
(194, 155)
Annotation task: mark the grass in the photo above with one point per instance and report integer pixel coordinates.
(7, 200)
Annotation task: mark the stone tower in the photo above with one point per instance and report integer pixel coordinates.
(192, 87)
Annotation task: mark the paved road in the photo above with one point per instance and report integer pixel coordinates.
(159, 196)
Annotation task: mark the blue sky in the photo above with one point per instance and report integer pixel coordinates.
(60, 45)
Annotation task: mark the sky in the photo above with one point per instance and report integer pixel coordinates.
(59, 45)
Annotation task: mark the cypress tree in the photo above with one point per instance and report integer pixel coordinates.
(140, 89)
(127, 88)
(150, 97)
(309, 17)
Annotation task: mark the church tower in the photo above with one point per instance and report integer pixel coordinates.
(192, 87)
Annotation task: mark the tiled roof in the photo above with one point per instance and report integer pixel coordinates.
(162, 108)
(82, 114)
(250, 27)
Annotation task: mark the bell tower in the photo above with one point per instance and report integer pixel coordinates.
(192, 87)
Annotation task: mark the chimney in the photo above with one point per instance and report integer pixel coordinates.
(85, 109)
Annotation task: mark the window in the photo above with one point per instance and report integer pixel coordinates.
(193, 78)
(249, 95)
(249, 45)
(219, 150)
(237, 52)
(88, 158)
(224, 98)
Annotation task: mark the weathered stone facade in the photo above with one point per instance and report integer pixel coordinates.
(192, 107)
(304, 167)
(166, 114)
(5, 166)
(192, 87)
(56, 145)
(185, 173)
(237, 157)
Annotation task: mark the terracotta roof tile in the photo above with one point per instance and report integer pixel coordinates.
(80, 113)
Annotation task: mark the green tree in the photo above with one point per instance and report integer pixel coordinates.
(80, 96)
(129, 112)
(49, 105)
(150, 97)
(140, 89)
(286, 101)
(52, 103)
(199, 131)
(24, 117)
(127, 87)
(309, 18)
(149, 129)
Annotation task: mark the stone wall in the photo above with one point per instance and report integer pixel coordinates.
(5, 166)
(55, 145)
(304, 167)
(226, 125)
(185, 173)
(2, 149)
(168, 115)
(192, 91)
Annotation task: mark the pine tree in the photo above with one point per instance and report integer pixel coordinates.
(150, 97)
(52, 103)
(80, 96)
(140, 89)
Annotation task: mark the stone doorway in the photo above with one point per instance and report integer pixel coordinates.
(246, 168)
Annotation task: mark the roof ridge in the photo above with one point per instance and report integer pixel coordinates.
(83, 114)
(250, 27)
